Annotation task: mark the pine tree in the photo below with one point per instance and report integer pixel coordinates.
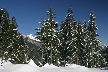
(1, 33)
(22, 54)
(10, 32)
(17, 44)
(104, 52)
(79, 44)
(4, 24)
(13, 50)
(50, 41)
(40, 36)
(94, 59)
(84, 44)
(67, 35)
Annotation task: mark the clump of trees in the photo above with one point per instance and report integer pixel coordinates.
(75, 42)
(12, 45)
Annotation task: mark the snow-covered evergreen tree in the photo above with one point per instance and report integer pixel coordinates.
(79, 44)
(94, 59)
(84, 44)
(11, 33)
(67, 38)
(49, 39)
(40, 36)
(9, 46)
(22, 49)
(1, 33)
(4, 27)
(17, 45)
(104, 52)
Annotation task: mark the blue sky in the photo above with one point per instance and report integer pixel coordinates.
(29, 12)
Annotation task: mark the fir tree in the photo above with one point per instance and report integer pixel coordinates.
(78, 44)
(67, 35)
(18, 45)
(11, 38)
(4, 24)
(104, 52)
(1, 33)
(94, 59)
(40, 36)
(22, 54)
(50, 41)
(84, 44)
(13, 44)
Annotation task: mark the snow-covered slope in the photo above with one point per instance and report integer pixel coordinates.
(31, 67)
(32, 63)
(32, 37)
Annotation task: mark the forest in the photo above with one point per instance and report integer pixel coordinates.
(75, 42)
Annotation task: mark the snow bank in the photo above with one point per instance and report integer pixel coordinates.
(46, 68)
(32, 67)
(5, 62)
(32, 63)
(50, 66)
(25, 68)
(105, 68)
(46, 65)
(74, 66)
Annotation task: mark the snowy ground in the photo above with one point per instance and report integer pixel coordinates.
(31, 67)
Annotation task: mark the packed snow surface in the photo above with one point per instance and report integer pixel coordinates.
(32, 67)
(32, 63)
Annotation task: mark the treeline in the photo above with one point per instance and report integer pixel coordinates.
(73, 43)
(12, 45)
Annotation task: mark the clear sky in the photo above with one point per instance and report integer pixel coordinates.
(29, 12)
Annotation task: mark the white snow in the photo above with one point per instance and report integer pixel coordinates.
(56, 22)
(32, 63)
(14, 29)
(4, 62)
(1, 9)
(32, 67)
(46, 65)
(32, 37)
(25, 68)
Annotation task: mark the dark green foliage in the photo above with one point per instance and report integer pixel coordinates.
(83, 43)
(79, 45)
(104, 53)
(74, 42)
(67, 35)
(50, 42)
(94, 59)
(12, 45)
(4, 27)
(16, 51)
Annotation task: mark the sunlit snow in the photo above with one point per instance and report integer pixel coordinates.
(32, 67)
(32, 37)
(1, 9)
